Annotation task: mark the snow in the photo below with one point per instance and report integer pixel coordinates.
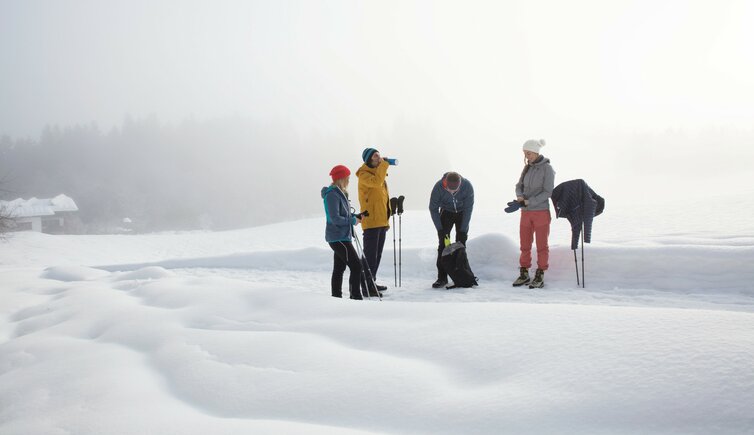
(20, 207)
(235, 332)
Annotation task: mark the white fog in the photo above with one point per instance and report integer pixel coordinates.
(638, 98)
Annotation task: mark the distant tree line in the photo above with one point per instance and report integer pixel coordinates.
(195, 175)
(217, 174)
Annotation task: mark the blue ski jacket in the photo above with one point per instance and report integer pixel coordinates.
(578, 203)
(340, 220)
(460, 202)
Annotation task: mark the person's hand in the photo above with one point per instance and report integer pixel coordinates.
(358, 220)
(513, 206)
(520, 198)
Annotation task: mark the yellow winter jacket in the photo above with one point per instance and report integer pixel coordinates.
(373, 195)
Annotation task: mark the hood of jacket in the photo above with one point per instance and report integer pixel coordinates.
(327, 189)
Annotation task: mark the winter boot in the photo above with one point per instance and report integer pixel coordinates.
(523, 278)
(539, 279)
(372, 291)
(440, 283)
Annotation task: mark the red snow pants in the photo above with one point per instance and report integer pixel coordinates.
(535, 224)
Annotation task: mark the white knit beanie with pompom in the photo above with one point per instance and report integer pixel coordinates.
(534, 145)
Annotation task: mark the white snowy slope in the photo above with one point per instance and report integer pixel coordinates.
(235, 332)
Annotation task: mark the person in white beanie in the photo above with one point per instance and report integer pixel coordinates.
(533, 192)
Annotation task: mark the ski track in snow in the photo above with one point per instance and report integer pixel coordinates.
(234, 332)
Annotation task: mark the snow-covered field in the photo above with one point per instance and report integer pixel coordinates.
(235, 332)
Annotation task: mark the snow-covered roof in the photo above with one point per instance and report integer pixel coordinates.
(20, 207)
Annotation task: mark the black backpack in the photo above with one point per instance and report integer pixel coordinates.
(456, 263)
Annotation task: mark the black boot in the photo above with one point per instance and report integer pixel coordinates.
(539, 279)
(370, 291)
(523, 278)
(441, 282)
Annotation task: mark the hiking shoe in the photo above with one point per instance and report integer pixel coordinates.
(440, 283)
(372, 292)
(523, 278)
(381, 288)
(539, 279)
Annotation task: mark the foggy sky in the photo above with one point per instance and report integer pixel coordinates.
(618, 87)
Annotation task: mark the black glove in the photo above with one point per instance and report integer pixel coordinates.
(513, 206)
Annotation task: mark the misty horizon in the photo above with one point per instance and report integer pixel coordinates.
(642, 100)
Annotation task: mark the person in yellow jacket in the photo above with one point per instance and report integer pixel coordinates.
(374, 198)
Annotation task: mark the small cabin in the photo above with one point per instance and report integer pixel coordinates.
(46, 215)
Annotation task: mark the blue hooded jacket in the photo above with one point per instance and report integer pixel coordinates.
(340, 220)
(460, 202)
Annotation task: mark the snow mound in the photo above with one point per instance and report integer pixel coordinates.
(145, 273)
(235, 332)
(73, 273)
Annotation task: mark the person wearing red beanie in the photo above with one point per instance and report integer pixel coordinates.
(339, 235)
(339, 172)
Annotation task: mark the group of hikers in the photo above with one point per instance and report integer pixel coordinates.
(451, 204)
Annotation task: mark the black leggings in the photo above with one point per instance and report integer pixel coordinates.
(345, 256)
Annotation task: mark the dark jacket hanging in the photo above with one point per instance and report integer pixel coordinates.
(578, 203)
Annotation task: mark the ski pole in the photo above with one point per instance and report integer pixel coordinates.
(395, 273)
(400, 259)
(583, 277)
(363, 281)
(393, 208)
(368, 272)
(360, 253)
(400, 238)
(576, 262)
(365, 270)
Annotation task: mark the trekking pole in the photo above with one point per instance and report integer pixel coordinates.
(395, 272)
(393, 208)
(367, 272)
(583, 278)
(576, 262)
(364, 263)
(400, 237)
(400, 263)
(363, 272)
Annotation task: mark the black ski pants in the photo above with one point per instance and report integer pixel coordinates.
(448, 219)
(345, 256)
(374, 242)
